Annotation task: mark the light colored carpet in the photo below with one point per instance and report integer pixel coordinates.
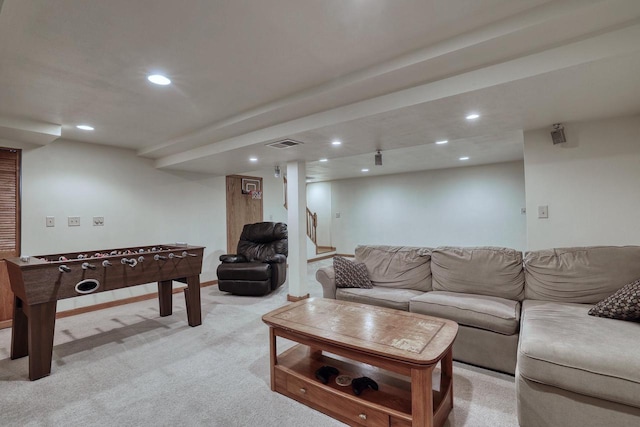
(127, 366)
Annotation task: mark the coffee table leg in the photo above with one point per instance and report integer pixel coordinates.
(446, 375)
(273, 357)
(421, 397)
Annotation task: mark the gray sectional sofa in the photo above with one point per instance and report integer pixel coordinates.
(526, 316)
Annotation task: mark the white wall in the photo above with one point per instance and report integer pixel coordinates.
(468, 206)
(141, 206)
(273, 197)
(591, 184)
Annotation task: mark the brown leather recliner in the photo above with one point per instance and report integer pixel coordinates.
(260, 265)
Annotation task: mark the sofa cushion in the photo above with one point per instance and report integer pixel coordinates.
(350, 274)
(479, 311)
(481, 270)
(562, 346)
(623, 305)
(580, 275)
(380, 296)
(401, 267)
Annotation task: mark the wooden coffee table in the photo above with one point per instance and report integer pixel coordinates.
(364, 340)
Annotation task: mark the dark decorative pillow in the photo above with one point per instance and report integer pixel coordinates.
(350, 274)
(623, 305)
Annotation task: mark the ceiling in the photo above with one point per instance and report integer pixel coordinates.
(376, 74)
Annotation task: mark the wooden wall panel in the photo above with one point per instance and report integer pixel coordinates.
(9, 223)
(241, 209)
(6, 296)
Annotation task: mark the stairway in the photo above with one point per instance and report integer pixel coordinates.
(312, 225)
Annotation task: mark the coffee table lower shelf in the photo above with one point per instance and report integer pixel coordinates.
(294, 377)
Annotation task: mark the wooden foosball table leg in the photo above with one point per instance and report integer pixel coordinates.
(192, 300)
(165, 297)
(42, 322)
(19, 330)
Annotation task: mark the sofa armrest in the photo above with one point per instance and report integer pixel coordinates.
(232, 258)
(327, 278)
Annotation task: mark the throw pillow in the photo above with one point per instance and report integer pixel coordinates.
(623, 305)
(350, 274)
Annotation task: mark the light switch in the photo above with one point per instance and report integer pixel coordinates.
(543, 211)
(51, 221)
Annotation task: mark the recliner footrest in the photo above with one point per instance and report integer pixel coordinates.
(248, 288)
(244, 271)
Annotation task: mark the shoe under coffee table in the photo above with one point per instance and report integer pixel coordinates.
(397, 349)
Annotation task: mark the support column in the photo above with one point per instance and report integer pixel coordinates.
(297, 228)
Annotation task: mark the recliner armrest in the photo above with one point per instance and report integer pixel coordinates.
(232, 258)
(277, 258)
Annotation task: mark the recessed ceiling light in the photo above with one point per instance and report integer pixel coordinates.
(253, 159)
(365, 170)
(473, 116)
(323, 160)
(336, 142)
(85, 127)
(464, 158)
(444, 141)
(159, 79)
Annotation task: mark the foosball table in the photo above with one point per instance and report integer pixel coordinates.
(38, 282)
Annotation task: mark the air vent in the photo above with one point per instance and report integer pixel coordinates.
(285, 143)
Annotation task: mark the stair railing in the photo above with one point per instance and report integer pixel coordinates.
(312, 225)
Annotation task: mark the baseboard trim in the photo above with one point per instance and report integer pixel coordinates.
(320, 258)
(291, 298)
(80, 310)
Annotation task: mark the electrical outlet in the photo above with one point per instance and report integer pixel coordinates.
(73, 221)
(51, 221)
(98, 220)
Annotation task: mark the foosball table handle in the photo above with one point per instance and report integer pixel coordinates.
(131, 262)
(87, 266)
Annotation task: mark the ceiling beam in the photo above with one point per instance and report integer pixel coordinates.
(619, 42)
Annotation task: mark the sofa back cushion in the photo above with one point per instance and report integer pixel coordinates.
(397, 266)
(580, 275)
(481, 270)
